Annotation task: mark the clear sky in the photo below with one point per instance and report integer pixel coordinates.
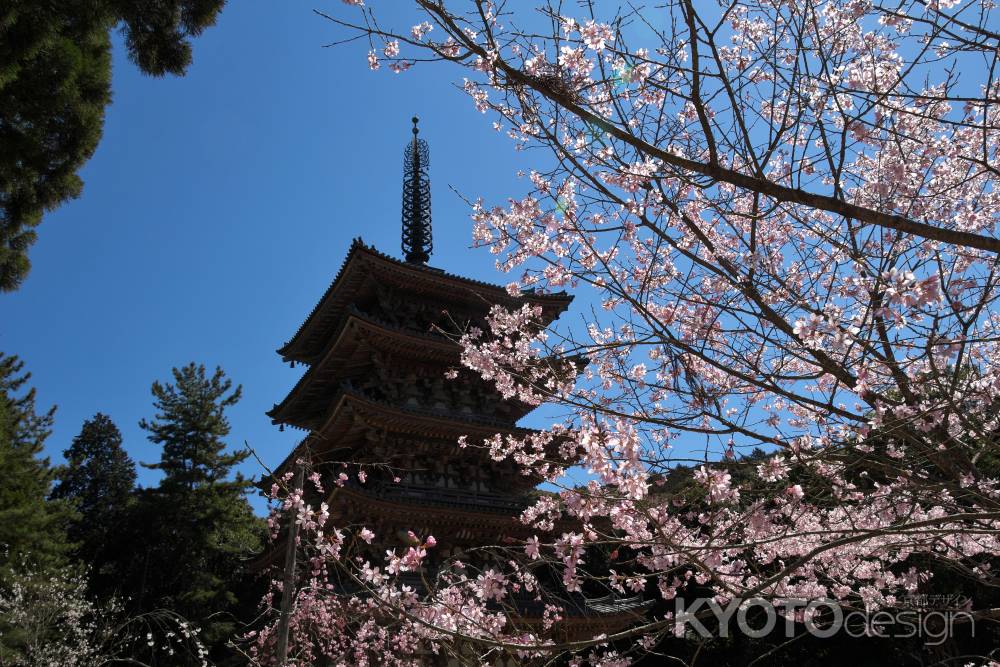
(218, 208)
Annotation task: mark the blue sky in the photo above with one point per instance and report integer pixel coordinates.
(219, 206)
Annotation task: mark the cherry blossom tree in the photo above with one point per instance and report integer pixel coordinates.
(785, 215)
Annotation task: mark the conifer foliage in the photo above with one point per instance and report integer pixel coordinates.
(191, 425)
(99, 480)
(55, 82)
(32, 530)
(29, 526)
(196, 528)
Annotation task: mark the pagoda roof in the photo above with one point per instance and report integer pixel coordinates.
(349, 352)
(442, 504)
(354, 412)
(364, 263)
(412, 420)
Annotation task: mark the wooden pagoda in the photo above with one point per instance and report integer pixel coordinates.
(383, 422)
(378, 408)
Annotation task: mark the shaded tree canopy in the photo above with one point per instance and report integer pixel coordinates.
(98, 479)
(55, 82)
(193, 531)
(29, 526)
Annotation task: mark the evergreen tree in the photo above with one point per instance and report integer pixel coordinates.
(98, 480)
(55, 82)
(196, 528)
(191, 425)
(30, 526)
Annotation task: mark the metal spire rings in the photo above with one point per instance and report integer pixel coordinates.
(417, 244)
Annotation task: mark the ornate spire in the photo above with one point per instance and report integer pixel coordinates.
(417, 244)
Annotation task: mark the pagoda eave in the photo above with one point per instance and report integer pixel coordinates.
(353, 411)
(364, 263)
(350, 405)
(433, 512)
(359, 336)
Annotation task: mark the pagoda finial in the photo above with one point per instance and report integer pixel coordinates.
(417, 244)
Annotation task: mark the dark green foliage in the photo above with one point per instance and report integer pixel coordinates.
(55, 82)
(157, 31)
(30, 526)
(191, 425)
(98, 480)
(193, 533)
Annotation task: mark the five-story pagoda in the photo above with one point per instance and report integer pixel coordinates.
(383, 421)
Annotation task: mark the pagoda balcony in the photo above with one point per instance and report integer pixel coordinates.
(456, 498)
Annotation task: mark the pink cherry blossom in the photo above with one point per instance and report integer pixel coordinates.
(789, 247)
(531, 547)
(596, 35)
(418, 31)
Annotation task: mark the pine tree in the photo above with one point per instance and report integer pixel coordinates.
(55, 82)
(98, 480)
(191, 425)
(30, 526)
(196, 528)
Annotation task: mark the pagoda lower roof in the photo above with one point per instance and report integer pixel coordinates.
(351, 353)
(343, 393)
(402, 499)
(417, 421)
(364, 264)
(354, 413)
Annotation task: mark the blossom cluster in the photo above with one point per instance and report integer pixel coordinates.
(784, 232)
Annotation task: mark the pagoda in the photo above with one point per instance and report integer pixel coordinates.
(383, 422)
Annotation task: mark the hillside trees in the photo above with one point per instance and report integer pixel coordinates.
(98, 569)
(785, 215)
